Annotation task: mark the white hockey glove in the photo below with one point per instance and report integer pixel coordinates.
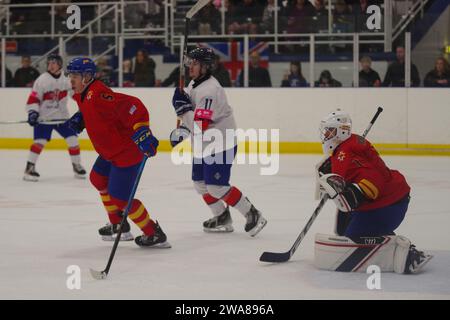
(346, 196)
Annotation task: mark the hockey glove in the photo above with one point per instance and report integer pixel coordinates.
(346, 196)
(181, 102)
(76, 122)
(33, 118)
(145, 141)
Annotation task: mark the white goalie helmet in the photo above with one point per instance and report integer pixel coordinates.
(334, 129)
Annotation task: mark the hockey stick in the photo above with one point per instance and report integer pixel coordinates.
(53, 121)
(285, 256)
(195, 8)
(99, 275)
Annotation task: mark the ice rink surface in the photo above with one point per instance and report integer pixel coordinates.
(52, 224)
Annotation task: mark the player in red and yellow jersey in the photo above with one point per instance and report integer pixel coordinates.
(118, 126)
(372, 201)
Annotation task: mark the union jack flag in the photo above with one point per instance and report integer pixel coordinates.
(232, 54)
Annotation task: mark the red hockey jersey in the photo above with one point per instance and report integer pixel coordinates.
(357, 161)
(110, 119)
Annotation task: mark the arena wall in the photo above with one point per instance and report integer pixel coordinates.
(414, 121)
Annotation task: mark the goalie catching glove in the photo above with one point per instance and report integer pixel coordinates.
(347, 196)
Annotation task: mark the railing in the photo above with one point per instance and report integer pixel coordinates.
(311, 40)
(412, 10)
(76, 34)
(98, 5)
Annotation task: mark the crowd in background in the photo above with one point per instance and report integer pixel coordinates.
(140, 72)
(243, 16)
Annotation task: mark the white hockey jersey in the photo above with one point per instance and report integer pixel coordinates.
(49, 97)
(209, 95)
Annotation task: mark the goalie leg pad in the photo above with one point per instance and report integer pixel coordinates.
(343, 254)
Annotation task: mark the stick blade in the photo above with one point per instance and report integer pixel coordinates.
(98, 275)
(275, 257)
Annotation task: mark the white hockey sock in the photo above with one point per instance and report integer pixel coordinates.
(36, 149)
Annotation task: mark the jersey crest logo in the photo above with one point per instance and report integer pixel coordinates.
(341, 156)
(89, 95)
(107, 96)
(132, 109)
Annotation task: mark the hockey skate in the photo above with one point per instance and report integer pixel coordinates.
(79, 171)
(255, 222)
(109, 232)
(30, 173)
(221, 223)
(416, 260)
(157, 240)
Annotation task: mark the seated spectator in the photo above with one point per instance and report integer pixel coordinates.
(295, 77)
(221, 73)
(8, 75)
(395, 75)
(342, 18)
(367, 76)
(320, 17)
(154, 18)
(128, 75)
(257, 75)
(439, 76)
(174, 78)
(326, 80)
(246, 18)
(144, 69)
(25, 76)
(268, 19)
(360, 15)
(208, 20)
(105, 72)
(300, 14)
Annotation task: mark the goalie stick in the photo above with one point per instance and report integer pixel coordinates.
(99, 275)
(285, 256)
(195, 8)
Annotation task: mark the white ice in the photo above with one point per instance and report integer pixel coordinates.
(52, 224)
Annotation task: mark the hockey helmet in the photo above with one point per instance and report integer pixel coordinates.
(55, 57)
(82, 66)
(334, 129)
(205, 56)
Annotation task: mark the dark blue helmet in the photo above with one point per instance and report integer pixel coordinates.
(82, 66)
(55, 57)
(205, 56)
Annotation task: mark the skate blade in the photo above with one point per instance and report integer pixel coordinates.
(30, 178)
(127, 236)
(79, 176)
(420, 266)
(98, 275)
(222, 229)
(162, 245)
(259, 226)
